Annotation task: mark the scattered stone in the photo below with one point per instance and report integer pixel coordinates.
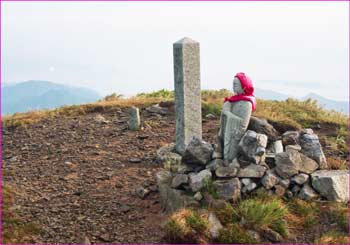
(307, 131)
(214, 226)
(134, 121)
(279, 190)
(307, 165)
(216, 155)
(228, 189)
(198, 196)
(142, 192)
(290, 138)
(100, 119)
(332, 184)
(252, 146)
(252, 171)
(250, 187)
(179, 180)
(198, 152)
(255, 235)
(277, 146)
(272, 235)
(226, 172)
(214, 164)
(287, 164)
(210, 116)
(135, 160)
(163, 177)
(300, 179)
(157, 109)
(284, 182)
(312, 148)
(293, 148)
(289, 194)
(261, 126)
(168, 157)
(197, 181)
(270, 180)
(307, 193)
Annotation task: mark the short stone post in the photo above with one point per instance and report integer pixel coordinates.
(187, 92)
(134, 118)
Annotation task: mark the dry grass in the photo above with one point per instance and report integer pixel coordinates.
(336, 163)
(333, 237)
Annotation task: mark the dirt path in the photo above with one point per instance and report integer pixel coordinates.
(77, 181)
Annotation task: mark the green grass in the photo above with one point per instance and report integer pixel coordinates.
(233, 234)
(309, 210)
(210, 188)
(333, 237)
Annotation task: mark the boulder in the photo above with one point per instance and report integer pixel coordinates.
(307, 193)
(307, 165)
(290, 138)
(168, 157)
(287, 164)
(178, 180)
(252, 171)
(249, 185)
(284, 182)
(214, 226)
(332, 184)
(279, 190)
(293, 147)
(198, 180)
(198, 152)
(214, 164)
(228, 189)
(261, 126)
(311, 147)
(252, 146)
(270, 179)
(300, 179)
(226, 171)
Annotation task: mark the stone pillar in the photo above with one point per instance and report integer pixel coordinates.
(187, 92)
(134, 122)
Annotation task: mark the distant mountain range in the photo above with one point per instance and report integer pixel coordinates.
(33, 95)
(340, 106)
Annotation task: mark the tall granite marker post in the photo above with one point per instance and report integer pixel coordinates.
(187, 92)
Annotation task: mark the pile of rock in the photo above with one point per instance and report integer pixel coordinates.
(291, 166)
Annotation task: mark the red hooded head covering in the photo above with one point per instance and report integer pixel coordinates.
(248, 88)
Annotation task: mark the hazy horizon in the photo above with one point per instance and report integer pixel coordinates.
(126, 47)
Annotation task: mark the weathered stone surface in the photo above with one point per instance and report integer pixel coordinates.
(279, 190)
(252, 171)
(197, 181)
(228, 189)
(158, 110)
(252, 146)
(293, 148)
(290, 138)
(255, 235)
(307, 193)
(287, 164)
(332, 184)
(250, 187)
(198, 152)
(311, 147)
(214, 164)
(270, 179)
(295, 189)
(226, 172)
(261, 126)
(142, 192)
(307, 165)
(168, 157)
(134, 121)
(214, 226)
(272, 235)
(178, 180)
(173, 199)
(163, 177)
(187, 92)
(198, 196)
(300, 179)
(246, 181)
(277, 146)
(285, 183)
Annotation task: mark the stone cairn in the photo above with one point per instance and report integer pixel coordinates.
(291, 165)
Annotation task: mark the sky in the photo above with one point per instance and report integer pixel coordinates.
(126, 47)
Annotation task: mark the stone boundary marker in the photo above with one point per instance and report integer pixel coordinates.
(187, 92)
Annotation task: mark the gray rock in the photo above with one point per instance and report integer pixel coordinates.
(276, 147)
(214, 164)
(279, 190)
(228, 189)
(179, 180)
(270, 179)
(284, 182)
(100, 119)
(235, 164)
(300, 179)
(252, 171)
(198, 152)
(197, 181)
(272, 235)
(214, 226)
(261, 126)
(332, 184)
(287, 164)
(311, 147)
(295, 189)
(210, 116)
(290, 138)
(252, 146)
(255, 235)
(187, 92)
(246, 181)
(198, 196)
(216, 155)
(163, 177)
(307, 165)
(142, 192)
(289, 194)
(158, 110)
(168, 157)
(250, 187)
(134, 121)
(226, 172)
(307, 193)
